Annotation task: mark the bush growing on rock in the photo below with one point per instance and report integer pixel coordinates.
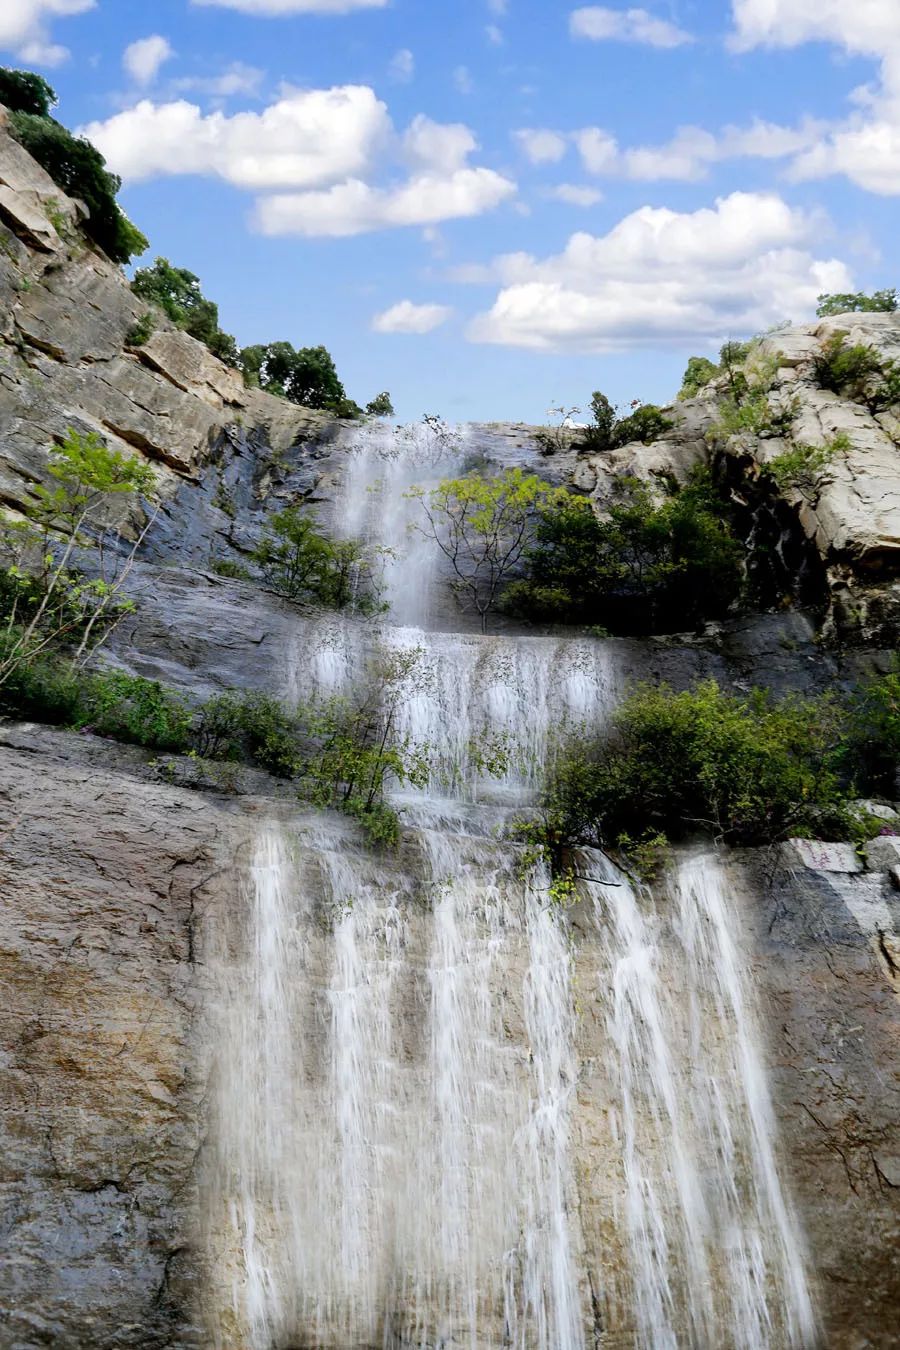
(700, 370)
(306, 376)
(745, 769)
(380, 406)
(609, 431)
(80, 170)
(302, 564)
(857, 372)
(648, 566)
(177, 292)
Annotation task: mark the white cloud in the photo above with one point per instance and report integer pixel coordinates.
(354, 207)
(494, 35)
(688, 155)
(143, 59)
(541, 146)
(661, 276)
(871, 26)
(405, 317)
(235, 79)
(277, 9)
(403, 66)
(575, 194)
(440, 146)
(599, 24)
(865, 147)
(462, 79)
(24, 27)
(306, 139)
(599, 150)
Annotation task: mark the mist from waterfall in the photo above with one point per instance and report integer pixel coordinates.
(431, 1076)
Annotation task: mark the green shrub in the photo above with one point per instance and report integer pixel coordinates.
(700, 370)
(227, 567)
(141, 331)
(381, 406)
(135, 710)
(802, 466)
(608, 431)
(857, 372)
(178, 293)
(873, 743)
(306, 376)
(647, 566)
(747, 770)
(80, 170)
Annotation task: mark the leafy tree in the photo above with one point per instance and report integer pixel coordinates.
(300, 563)
(644, 566)
(78, 168)
(177, 291)
(746, 769)
(802, 466)
(47, 601)
(24, 91)
(873, 745)
(306, 376)
(879, 302)
(700, 370)
(484, 526)
(381, 406)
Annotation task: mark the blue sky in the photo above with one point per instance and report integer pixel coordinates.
(489, 206)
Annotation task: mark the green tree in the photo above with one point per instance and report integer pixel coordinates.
(646, 565)
(306, 376)
(484, 526)
(381, 406)
(609, 431)
(23, 91)
(177, 291)
(301, 563)
(78, 168)
(700, 370)
(879, 302)
(48, 602)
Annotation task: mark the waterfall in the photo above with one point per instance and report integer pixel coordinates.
(404, 1119)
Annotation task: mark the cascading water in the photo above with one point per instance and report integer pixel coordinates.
(405, 1124)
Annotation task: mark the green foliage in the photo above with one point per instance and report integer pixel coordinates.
(380, 406)
(23, 91)
(608, 431)
(879, 302)
(873, 746)
(644, 566)
(802, 466)
(700, 370)
(857, 372)
(227, 567)
(140, 332)
(301, 564)
(80, 170)
(484, 526)
(137, 711)
(177, 292)
(306, 376)
(46, 600)
(747, 770)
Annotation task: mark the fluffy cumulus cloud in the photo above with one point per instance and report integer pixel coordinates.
(661, 277)
(144, 59)
(25, 27)
(276, 9)
(599, 24)
(356, 207)
(864, 147)
(306, 139)
(324, 143)
(406, 317)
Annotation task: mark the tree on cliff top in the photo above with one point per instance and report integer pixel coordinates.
(306, 376)
(177, 291)
(879, 302)
(23, 91)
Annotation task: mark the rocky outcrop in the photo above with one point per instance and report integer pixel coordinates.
(68, 316)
